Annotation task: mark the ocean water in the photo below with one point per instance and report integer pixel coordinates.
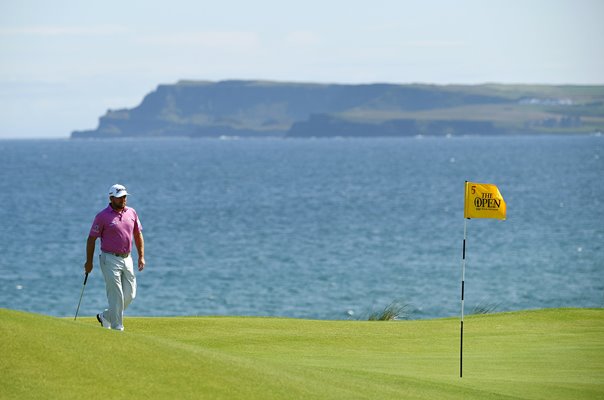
(326, 229)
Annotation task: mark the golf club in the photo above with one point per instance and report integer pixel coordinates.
(81, 295)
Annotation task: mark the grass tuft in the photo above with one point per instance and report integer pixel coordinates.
(485, 307)
(392, 312)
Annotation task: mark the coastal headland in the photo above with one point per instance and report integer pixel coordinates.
(281, 109)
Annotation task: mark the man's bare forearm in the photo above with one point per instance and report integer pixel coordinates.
(89, 254)
(139, 241)
(90, 244)
(140, 247)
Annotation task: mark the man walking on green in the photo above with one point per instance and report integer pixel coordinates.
(116, 225)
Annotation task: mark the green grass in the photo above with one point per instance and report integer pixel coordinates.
(545, 354)
(509, 116)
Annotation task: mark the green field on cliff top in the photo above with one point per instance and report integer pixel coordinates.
(542, 354)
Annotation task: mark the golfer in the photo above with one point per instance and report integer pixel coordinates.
(116, 225)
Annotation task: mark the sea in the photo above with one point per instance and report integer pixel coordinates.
(308, 228)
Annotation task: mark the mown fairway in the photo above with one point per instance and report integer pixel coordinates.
(545, 354)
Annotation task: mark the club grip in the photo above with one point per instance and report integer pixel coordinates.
(86, 279)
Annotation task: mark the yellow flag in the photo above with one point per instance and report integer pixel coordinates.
(483, 200)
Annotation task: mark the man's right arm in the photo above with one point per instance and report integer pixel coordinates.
(90, 244)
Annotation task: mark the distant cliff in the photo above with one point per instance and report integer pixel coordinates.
(260, 108)
(333, 126)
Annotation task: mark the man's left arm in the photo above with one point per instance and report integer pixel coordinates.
(140, 248)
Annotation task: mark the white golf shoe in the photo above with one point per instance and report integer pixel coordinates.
(104, 323)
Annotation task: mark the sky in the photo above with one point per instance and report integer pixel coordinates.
(63, 64)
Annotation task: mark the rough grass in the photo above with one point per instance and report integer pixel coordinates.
(392, 312)
(545, 354)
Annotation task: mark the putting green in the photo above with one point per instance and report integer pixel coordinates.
(543, 354)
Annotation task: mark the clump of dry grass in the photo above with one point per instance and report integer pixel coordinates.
(392, 312)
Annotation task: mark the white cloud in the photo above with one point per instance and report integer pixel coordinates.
(302, 38)
(434, 43)
(217, 39)
(50, 30)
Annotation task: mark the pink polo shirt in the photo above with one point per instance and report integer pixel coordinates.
(115, 229)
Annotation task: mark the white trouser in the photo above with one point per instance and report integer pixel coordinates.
(121, 287)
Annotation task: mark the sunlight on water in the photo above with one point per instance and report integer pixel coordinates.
(309, 228)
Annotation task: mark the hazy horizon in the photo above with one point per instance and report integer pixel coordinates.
(65, 63)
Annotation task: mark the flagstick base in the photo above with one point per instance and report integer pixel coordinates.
(461, 353)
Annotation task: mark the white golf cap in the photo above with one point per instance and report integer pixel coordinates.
(118, 191)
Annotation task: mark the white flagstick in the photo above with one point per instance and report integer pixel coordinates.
(463, 278)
